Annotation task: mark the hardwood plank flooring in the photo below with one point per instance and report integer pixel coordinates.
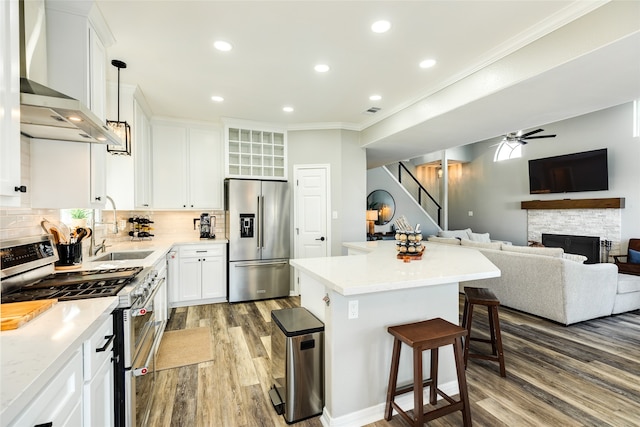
(586, 374)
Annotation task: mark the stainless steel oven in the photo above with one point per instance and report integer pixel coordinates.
(27, 274)
(135, 371)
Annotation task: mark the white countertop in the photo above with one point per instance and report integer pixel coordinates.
(159, 247)
(32, 354)
(378, 270)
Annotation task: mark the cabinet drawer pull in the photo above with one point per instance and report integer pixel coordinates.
(49, 424)
(20, 189)
(109, 339)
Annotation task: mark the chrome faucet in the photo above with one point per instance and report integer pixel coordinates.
(93, 249)
(101, 247)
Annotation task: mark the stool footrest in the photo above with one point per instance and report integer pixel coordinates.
(484, 357)
(480, 340)
(409, 387)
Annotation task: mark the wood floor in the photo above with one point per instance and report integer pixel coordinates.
(586, 374)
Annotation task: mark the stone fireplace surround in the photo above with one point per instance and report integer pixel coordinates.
(604, 223)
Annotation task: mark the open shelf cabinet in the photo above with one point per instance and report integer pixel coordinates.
(255, 153)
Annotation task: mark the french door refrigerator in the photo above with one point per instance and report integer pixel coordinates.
(257, 227)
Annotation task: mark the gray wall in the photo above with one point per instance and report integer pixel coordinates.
(493, 191)
(380, 179)
(341, 149)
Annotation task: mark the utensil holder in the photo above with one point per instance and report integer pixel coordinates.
(70, 254)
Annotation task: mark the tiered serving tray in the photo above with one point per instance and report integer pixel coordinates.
(409, 244)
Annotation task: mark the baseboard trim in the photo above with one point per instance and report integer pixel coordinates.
(376, 412)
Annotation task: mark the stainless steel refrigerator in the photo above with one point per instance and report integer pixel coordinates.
(257, 227)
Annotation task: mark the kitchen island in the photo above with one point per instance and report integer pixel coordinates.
(359, 296)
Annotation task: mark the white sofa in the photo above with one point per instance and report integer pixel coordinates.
(550, 284)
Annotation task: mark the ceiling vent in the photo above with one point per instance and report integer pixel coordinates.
(372, 110)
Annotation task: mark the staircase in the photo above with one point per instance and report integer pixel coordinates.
(407, 180)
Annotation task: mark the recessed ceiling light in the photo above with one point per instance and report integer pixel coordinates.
(217, 98)
(380, 26)
(321, 68)
(287, 109)
(222, 46)
(74, 118)
(428, 63)
(375, 98)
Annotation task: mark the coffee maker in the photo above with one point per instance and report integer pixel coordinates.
(206, 227)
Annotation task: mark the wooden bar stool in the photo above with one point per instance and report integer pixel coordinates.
(483, 296)
(420, 336)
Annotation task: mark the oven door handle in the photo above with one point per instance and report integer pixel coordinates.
(109, 339)
(144, 369)
(143, 310)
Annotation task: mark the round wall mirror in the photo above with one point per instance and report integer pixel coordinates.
(381, 201)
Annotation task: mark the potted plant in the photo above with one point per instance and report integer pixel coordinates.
(79, 217)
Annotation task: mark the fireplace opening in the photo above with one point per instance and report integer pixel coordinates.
(579, 245)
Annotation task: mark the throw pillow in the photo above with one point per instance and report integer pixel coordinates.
(481, 245)
(447, 240)
(480, 237)
(634, 256)
(458, 234)
(554, 252)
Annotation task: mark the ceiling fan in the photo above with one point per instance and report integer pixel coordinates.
(522, 138)
(511, 145)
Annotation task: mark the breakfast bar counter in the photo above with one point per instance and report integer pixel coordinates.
(359, 296)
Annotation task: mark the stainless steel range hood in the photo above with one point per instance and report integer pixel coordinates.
(49, 114)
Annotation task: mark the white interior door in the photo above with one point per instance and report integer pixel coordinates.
(312, 207)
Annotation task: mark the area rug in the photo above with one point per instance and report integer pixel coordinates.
(184, 347)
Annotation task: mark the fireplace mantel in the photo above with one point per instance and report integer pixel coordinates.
(609, 203)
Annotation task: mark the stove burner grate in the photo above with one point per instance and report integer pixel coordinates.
(76, 285)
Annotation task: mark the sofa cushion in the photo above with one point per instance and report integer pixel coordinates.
(575, 257)
(460, 234)
(628, 283)
(634, 257)
(481, 245)
(480, 237)
(447, 240)
(554, 252)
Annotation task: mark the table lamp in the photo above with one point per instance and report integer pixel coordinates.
(372, 216)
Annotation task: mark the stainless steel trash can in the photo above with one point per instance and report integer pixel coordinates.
(297, 364)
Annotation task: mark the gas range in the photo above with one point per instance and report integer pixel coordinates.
(69, 286)
(28, 274)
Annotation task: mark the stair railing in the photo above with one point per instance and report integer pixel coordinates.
(421, 188)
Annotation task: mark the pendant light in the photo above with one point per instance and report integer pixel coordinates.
(122, 129)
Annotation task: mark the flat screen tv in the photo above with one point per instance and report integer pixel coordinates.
(586, 171)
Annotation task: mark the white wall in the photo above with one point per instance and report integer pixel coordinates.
(340, 149)
(493, 191)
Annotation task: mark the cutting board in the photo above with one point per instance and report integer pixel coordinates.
(16, 314)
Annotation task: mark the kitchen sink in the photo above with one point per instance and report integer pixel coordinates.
(123, 256)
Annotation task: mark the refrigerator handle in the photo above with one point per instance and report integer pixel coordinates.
(258, 222)
(262, 222)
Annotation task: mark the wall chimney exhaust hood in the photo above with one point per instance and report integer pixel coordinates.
(49, 114)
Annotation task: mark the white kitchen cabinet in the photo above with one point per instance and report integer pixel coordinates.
(255, 152)
(67, 175)
(201, 276)
(97, 75)
(60, 401)
(98, 387)
(187, 167)
(77, 37)
(141, 151)
(10, 185)
(128, 180)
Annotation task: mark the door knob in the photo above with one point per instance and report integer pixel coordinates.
(321, 239)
